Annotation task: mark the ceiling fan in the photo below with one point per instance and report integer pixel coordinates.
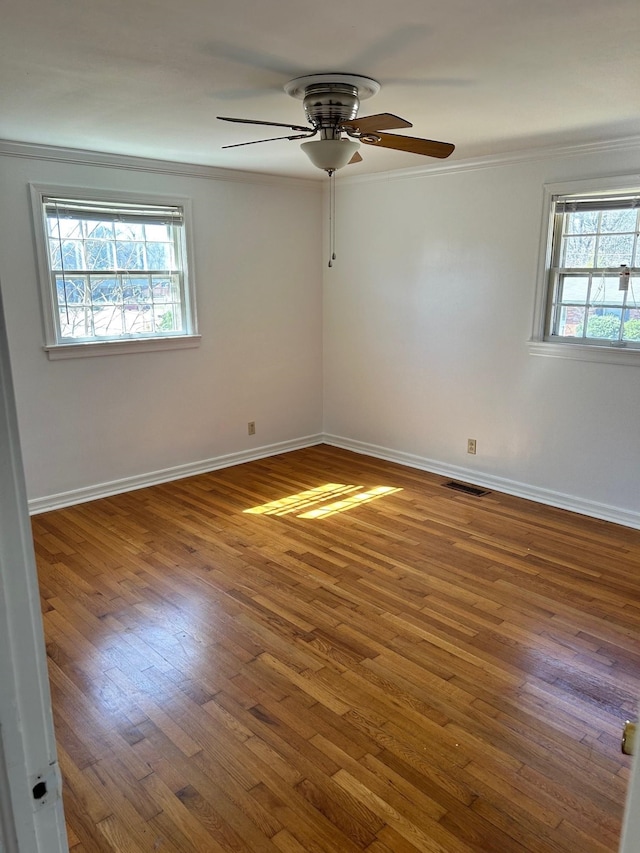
(331, 103)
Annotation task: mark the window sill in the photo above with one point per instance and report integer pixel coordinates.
(84, 350)
(586, 352)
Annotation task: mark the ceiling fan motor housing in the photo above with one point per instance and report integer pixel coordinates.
(328, 105)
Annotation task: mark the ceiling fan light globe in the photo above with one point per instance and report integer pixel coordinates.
(330, 154)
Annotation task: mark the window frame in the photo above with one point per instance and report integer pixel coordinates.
(57, 347)
(542, 341)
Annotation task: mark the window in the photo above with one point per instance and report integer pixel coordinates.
(114, 273)
(592, 272)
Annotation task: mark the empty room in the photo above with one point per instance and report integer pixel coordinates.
(320, 360)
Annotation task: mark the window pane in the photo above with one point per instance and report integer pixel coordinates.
(129, 231)
(61, 295)
(574, 289)
(579, 252)
(136, 290)
(76, 323)
(160, 233)
(71, 290)
(98, 230)
(614, 250)
(583, 222)
(619, 220)
(72, 256)
(606, 290)
(107, 321)
(631, 328)
(106, 290)
(130, 256)
(166, 289)
(98, 255)
(604, 324)
(168, 318)
(160, 256)
(138, 319)
(54, 255)
(570, 321)
(63, 227)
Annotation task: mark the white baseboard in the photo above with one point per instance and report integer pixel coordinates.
(178, 472)
(618, 515)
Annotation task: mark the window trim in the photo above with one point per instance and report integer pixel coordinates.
(540, 343)
(53, 346)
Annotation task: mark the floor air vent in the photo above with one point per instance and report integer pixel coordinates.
(466, 489)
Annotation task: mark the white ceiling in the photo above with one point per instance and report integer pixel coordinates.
(149, 77)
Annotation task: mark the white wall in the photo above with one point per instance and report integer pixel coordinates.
(257, 264)
(427, 315)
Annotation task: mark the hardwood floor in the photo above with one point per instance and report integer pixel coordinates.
(415, 669)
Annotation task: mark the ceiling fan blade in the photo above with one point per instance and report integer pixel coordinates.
(271, 139)
(382, 121)
(266, 123)
(428, 147)
(355, 159)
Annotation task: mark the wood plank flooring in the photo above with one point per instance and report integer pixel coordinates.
(378, 664)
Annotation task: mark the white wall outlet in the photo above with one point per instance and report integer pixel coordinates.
(251, 428)
(471, 445)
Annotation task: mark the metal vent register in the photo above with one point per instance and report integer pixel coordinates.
(466, 489)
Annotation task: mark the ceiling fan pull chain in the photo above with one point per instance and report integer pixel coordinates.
(332, 195)
(333, 218)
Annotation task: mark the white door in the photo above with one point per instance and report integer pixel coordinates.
(31, 815)
(631, 829)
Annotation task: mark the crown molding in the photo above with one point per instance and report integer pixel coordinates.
(83, 157)
(509, 158)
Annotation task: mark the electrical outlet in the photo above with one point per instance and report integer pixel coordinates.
(251, 428)
(471, 445)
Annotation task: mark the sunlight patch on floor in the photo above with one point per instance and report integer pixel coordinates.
(310, 499)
